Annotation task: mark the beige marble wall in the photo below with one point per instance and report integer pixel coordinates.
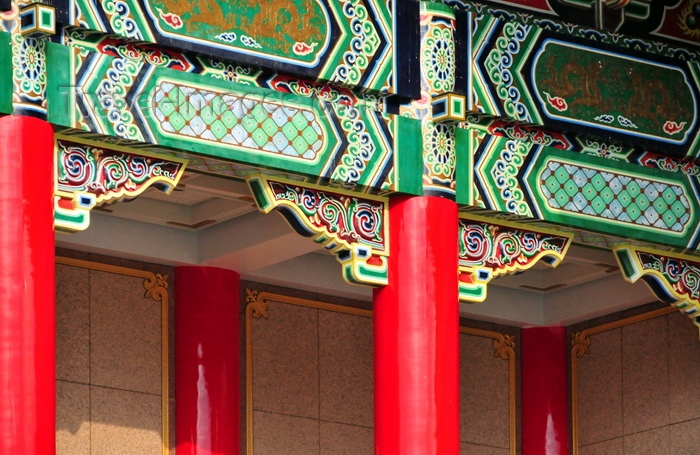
(484, 398)
(312, 384)
(635, 389)
(108, 363)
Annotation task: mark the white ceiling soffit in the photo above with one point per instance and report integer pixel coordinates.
(213, 221)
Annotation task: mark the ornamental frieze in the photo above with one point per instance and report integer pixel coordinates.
(348, 42)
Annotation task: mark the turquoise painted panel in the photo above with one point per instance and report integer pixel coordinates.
(5, 73)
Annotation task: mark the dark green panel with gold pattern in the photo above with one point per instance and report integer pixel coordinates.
(348, 42)
(592, 84)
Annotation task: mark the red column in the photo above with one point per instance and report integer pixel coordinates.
(207, 355)
(545, 411)
(27, 302)
(416, 332)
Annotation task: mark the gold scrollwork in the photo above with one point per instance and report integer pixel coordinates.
(156, 286)
(257, 306)
(580, 342)
(504, 346)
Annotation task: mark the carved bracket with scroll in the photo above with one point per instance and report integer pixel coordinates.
(354, 229)
(673, 278)
(89, 174)
(488, 250)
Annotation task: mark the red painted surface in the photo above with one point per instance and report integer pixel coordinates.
(207, 355)
(27, 289)
(545, 411)
(416, 332)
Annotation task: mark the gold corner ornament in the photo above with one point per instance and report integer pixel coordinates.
(488, 249)
(257, 305)
(580, 344)
(673, 278)
(89, 174)
(355, 229)
(504, 346)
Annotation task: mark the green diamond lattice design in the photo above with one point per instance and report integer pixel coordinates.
(626, 198)
(241, 121)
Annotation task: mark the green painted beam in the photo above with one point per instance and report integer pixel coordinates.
(583, 192)
(217, 119)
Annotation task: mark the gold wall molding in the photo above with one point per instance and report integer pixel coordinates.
(580, 346)
(258, 306)
(155, 287)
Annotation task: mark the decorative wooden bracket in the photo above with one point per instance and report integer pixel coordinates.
(88, 174)
(488, 250)
(673, 278)
(354, 229)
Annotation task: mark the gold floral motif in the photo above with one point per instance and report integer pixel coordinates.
(580, 342)
(251, 296)
(257, 304)
(504, 346)
(156, 286)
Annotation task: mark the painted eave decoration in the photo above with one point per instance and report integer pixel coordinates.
(673, 278)
(490, 248)
(89, 174)
(355, 229)
(348, 42)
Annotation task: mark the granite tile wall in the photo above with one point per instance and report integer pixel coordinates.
(313, 372)
(313, 382)
(108, 361)
(635, 388)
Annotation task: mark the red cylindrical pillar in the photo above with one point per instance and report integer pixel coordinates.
(27, 289)
(416, 332)
(544, 397)
(207, 355)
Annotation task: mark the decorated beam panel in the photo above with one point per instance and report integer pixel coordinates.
(542, 73)
(666, 20)
(330, 141)
(217, 68)
(348, 42)
(585, 192)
